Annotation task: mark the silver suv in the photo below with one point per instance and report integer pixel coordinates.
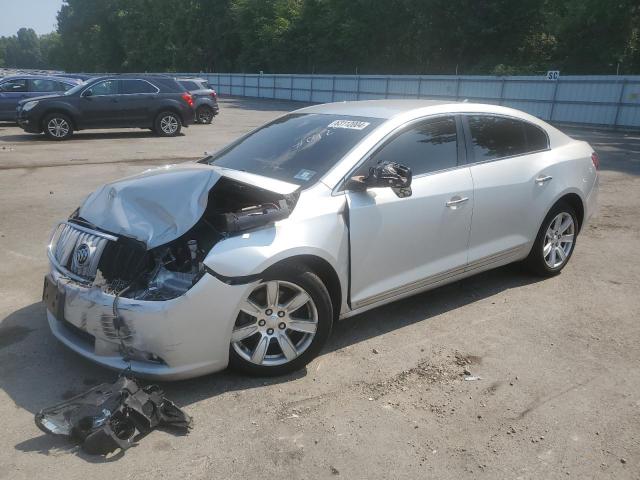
(204, 97)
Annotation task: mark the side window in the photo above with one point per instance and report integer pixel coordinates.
(16, 85)
(189, 85)
(137, 86)
(426, 147)
(496, 137)
(63, 87)
(41, 85)
(108, 87)
(536, 138)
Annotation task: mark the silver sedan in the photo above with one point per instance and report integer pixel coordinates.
(248, 256)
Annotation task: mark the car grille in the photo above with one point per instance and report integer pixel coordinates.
(76, 250)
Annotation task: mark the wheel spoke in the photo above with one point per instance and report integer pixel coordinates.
(565, 225)
(546, 250)
(241, 333)
(272, 293)
(304, 326)
(288, 349)
(552, 260)
(566, 238)
(260, 351)
(561, 253)
(251, 308)
(296, 302)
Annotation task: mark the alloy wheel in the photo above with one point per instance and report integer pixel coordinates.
(205, 115)
(58, 127)
(558, 240)
(276, 324)
(169, 124)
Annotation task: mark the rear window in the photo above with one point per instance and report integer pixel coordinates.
(297, 148)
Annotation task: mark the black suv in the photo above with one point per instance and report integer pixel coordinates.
(156, 102)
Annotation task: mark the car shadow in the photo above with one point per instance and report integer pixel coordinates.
(37, 371)
(85, 135)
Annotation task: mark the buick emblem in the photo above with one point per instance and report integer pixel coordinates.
(81, 255)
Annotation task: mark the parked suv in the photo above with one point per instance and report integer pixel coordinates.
(204, 97)
(156, 102)
(20, 87)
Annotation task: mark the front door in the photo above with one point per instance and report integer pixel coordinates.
(100, 105)
(399, 245)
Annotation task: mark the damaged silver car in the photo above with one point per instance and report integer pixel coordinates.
(248, 256)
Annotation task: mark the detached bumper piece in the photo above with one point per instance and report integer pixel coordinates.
(112, 416)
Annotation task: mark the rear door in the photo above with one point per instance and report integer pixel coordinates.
(512, 173)
(137, 101)
(100, 105)
(11, 92)
(398, 244)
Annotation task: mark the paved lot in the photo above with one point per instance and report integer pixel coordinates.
(560, 390)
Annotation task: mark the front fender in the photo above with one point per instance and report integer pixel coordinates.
(323, 234)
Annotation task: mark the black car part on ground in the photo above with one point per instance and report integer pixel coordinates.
(112, 416)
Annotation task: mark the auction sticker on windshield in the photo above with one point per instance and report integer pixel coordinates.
(350, 124)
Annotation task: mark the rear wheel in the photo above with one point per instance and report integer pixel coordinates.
(58, 126)
(555, 242)
(204, 114)
(167, 124)
(282, 325)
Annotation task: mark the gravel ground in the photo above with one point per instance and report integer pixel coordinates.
(559, 388)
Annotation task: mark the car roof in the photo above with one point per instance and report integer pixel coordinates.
(41, 77)
(372, 108)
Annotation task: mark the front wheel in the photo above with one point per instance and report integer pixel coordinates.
(167, 124)
(282, 325)
(58, 126)
(555, 242)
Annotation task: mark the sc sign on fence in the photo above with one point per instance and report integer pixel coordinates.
(553, 74)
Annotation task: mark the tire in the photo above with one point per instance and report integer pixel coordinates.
(204, 115)
(57, 126)
(545, 261)
(167, 124)
(259, 330)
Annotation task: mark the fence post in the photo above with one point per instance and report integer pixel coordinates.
(504, 80)
(386, 88)
(274, 86)
(333, 88)
(419, 88)
(619, 106)
(244, 84)
(553, 100)
(457, 88)
(311, 90)
(258, 86)
(290, 87)
(357, 87)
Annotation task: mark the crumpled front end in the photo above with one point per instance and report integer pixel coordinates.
(128, 284)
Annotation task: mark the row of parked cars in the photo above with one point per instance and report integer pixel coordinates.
(58, 105)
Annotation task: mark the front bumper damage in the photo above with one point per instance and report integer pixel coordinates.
(174, 339)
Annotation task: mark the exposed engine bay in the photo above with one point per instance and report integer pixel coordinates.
(128, 269)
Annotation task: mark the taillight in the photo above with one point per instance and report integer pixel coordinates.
(596, 160)
(186, 96)
(214, 95)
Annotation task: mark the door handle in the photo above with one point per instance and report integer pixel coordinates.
(543, 179)
(455, 201)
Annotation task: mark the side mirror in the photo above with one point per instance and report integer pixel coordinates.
(386, 174)
(87, 93)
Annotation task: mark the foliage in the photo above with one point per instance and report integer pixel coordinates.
(337, 36)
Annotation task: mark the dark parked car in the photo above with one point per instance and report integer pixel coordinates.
(204, 97)
(19, 87)
(156, 102)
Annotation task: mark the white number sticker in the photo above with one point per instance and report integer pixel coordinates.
(350, 124)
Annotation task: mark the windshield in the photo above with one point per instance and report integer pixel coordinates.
(76, 89)
(297, 148)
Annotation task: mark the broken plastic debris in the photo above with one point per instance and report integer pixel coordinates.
(112, 416)
(471, 378)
